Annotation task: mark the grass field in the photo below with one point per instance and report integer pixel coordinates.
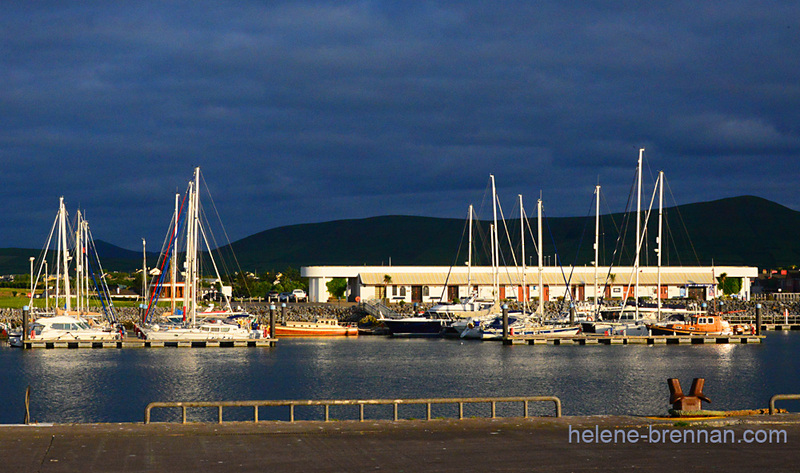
(9, 301)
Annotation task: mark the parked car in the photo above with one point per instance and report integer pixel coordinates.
(299, 295)
(284, 296)
(272, 296)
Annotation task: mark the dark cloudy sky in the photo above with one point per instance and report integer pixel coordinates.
(312, 111)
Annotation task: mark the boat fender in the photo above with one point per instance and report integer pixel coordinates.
(32, 332)
(752, 329)
(470, 325)
(266, 332)
(590, 318)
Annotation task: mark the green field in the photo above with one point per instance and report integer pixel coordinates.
(8, 301)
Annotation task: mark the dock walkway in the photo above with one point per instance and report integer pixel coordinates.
(633, 340)
(133, 342)
(515, 444)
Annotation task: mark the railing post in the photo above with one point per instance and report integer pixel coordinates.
(758, 320)
(395, 411)
(326, 413)
(525, 408)
(505, 323)
(255, 413)
(183, 409)
(361, 412)
(494, 409)
(220, 413)
(460, 410)
(25, 331)
(428, 415)
(291, 412)
(272, 321)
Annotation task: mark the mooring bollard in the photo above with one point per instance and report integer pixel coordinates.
(758, 320)
(25, 314)
(28, 405)
(283, 313)
(272, 320)
(505, 322)
(142, 313)
(572, 313)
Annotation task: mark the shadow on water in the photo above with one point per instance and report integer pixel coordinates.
(110, 385)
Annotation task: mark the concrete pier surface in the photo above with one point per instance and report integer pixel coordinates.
(567, 444)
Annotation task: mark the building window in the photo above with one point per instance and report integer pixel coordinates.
(402, 291)
(426, 291)
(394, 290)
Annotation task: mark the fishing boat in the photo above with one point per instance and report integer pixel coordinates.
(65, 322)
(195, 324)
(318, 328)
(705, 325)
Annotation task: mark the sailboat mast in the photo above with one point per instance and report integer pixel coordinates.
(638, 229)
(522, 236)
(195, 223)
(78, 264)
(495, 244)
(84, 249)
(469, 255)
(660, 223)
(144, 271)
(65, 256)
(541, 258)
(173, 260)
(596, 244)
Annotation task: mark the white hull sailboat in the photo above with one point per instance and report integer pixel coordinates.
(65, 322)
(195, 324)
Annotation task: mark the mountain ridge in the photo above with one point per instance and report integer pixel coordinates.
(739, 231)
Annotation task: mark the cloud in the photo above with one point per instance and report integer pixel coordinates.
(316, 110)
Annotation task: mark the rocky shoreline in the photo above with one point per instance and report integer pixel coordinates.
(354, 313)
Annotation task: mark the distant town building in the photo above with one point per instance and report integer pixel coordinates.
(431, 284)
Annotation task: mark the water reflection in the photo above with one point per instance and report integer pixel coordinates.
(116, 385)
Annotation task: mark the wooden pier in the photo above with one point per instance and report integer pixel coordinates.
(634, 340)
(139, 343)
(781, 327)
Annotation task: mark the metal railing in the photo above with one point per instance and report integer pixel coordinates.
(492, 401)
(378, 309)
(781, 397)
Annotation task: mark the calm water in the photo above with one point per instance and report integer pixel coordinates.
(111, 385)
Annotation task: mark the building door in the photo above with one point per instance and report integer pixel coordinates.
(416, 293)
(502, 292)
(452, 293)
(698, 293)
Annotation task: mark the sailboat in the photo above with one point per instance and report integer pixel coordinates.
(66, 322)
(195, 324)
(470, 306)
(444, 318)
(521, 323)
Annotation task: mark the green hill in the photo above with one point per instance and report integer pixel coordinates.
(745, 230)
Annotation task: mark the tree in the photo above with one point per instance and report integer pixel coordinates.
(337, 287)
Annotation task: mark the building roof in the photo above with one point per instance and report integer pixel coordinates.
(532, 278)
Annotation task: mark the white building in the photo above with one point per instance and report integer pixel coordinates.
(434, 283)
